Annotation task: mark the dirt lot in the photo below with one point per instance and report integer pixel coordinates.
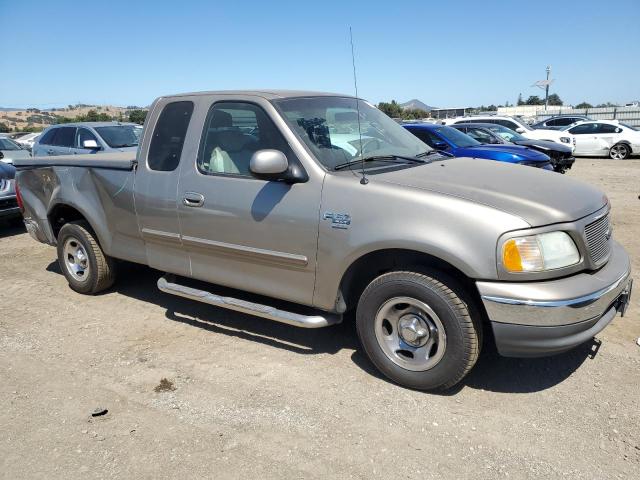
(254, 399)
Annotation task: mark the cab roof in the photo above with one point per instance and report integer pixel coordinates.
(267, 94)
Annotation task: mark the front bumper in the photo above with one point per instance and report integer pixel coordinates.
(563, 164)
(543, 318)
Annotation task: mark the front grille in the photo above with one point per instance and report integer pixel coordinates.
(597, 235)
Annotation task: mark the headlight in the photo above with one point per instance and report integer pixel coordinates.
(565, 139)
(537, 253)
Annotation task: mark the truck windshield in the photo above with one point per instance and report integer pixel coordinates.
(329, 128)
(119, 136)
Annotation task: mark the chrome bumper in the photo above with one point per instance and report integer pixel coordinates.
(575, 299)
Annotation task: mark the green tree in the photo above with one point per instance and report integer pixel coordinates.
(137, 116)
(4, 128)
(393, 109)
(584, 105)
(534, 100)
(555, 100)
(520, 101)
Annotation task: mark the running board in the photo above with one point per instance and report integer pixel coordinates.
(264, 311)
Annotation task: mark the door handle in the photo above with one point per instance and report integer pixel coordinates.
(193, 199)
(50, 151)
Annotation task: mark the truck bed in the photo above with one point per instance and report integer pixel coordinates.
(114, 161)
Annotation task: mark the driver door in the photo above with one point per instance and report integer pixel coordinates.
(241, 232)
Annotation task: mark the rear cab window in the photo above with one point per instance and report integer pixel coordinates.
(169, 135)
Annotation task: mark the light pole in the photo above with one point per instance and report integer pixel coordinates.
(546, 91)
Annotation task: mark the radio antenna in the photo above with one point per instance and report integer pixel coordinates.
(364, 179)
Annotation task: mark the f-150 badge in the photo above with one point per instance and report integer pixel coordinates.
(338, 220)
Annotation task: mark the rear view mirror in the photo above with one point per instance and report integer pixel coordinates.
(92, 144)
(440, 145)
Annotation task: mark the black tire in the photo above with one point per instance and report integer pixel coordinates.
(620, 151)
(460, 319)
(100, 273)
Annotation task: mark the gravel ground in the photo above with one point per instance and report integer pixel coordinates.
(246, 398)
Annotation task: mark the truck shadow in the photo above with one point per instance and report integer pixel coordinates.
(139, 282)
(492, 372)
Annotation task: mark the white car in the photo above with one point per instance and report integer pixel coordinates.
(519, 126)
(28, 140)
(601, 138)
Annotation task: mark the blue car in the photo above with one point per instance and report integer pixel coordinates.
(458, 144)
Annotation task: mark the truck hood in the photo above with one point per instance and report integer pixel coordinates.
(545, 145)
(537, 196)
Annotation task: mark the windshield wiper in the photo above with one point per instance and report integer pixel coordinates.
(378, 158)
(434, 152)
(125, 145)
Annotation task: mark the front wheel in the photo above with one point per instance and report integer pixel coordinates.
(620, 151)
(417, 331)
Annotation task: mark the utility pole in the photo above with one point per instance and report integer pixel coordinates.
(544, 84)
(546, 92)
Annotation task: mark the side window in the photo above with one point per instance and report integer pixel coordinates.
(509, 124)
(233, 132)
(168, 136)
(427, 137)
(65, 137)
(47, 138)
(583, 129)
(84, 134)
(480, 135)
(563, 122)
(606, 128)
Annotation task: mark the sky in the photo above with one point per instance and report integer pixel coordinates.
(451, 53)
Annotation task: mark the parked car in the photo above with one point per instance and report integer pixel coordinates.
(423, 248)
(518, 126)
(605, 138)
(457, 143)
(28, 140)
(10, 150)
(559, 122)
(492, 134)
(9, 209)
(86, 137)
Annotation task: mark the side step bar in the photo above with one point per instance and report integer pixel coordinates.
(265, 311)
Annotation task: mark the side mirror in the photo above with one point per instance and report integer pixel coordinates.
(274, 165)
(440, 145)
(92, 144)
(520, 130)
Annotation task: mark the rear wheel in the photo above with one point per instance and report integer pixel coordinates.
(86, 267)
(620, 151)
(417, 331)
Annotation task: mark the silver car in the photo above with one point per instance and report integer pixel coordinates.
(10, 150)
(8, 201)
(87, 137)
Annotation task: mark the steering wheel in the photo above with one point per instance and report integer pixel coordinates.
(367, 144)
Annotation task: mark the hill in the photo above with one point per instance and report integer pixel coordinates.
(33, 118)
(416, 104)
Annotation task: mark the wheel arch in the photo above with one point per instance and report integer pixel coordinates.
(62, 213)
(375, 263)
